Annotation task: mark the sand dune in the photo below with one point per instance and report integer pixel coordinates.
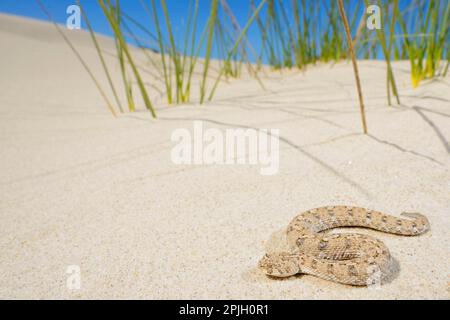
(79, 187)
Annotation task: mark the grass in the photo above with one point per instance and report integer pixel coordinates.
(428, 39)
(236, 44)
(387, 49)
(100, 55)
(312, 33)
(211, 26)
(292, 34)
(355, 64)
(108, 11)
(115, 12)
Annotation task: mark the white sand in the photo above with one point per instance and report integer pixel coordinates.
(79, 187)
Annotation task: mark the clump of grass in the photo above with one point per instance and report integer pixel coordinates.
(178, 64)
(225, 39)
(294, 34)
(108, 11)
(236, 44)
(311, 33)
(428, 39)
(171, 56)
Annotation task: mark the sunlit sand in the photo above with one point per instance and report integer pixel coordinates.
(80, 187)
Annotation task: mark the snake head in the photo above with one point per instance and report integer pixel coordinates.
(421, 224)
(279, 264)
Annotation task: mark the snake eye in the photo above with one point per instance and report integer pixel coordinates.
(322, 244)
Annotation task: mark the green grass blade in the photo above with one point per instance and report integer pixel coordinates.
(118, 34)
(100, 55)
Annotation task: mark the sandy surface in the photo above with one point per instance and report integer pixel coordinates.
(79, 187)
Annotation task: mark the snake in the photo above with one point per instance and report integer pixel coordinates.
(347, 258)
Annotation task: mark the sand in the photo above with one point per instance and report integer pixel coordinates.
(79, 187)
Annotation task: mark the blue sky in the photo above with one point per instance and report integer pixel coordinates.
(177, 9)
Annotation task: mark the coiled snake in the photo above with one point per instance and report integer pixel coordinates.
(353, 259)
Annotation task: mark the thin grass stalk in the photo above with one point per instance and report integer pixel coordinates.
(80, 58)
(231, 68)
(445, 28)
(221, 50)
(137, 39)
(238, 40)
(237, 30)
(355, 15)
(191, 19)
(297, 45)
(409, 46)
(263, 32)
(420, 71)
(290, 37)
(167, 80)
(390, 43)
(284, 43)
(192, 56)
(390, 74)
(159, 76)
(244, 56)
(388, 78)
(211, 25)
(360, 30)
(305, 40)
(275, 52)
(100, 55)
(186, 38)
(120, 55)
(430, 66)
(314, 10)
(173, 53)
(440, 38)
(355, 65)
(444, 73)
(118, 34)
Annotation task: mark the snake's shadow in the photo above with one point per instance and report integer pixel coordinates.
(393, 273)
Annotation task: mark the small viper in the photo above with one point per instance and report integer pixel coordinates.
(353, 259)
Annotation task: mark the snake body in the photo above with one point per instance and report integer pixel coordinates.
(348, 258)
